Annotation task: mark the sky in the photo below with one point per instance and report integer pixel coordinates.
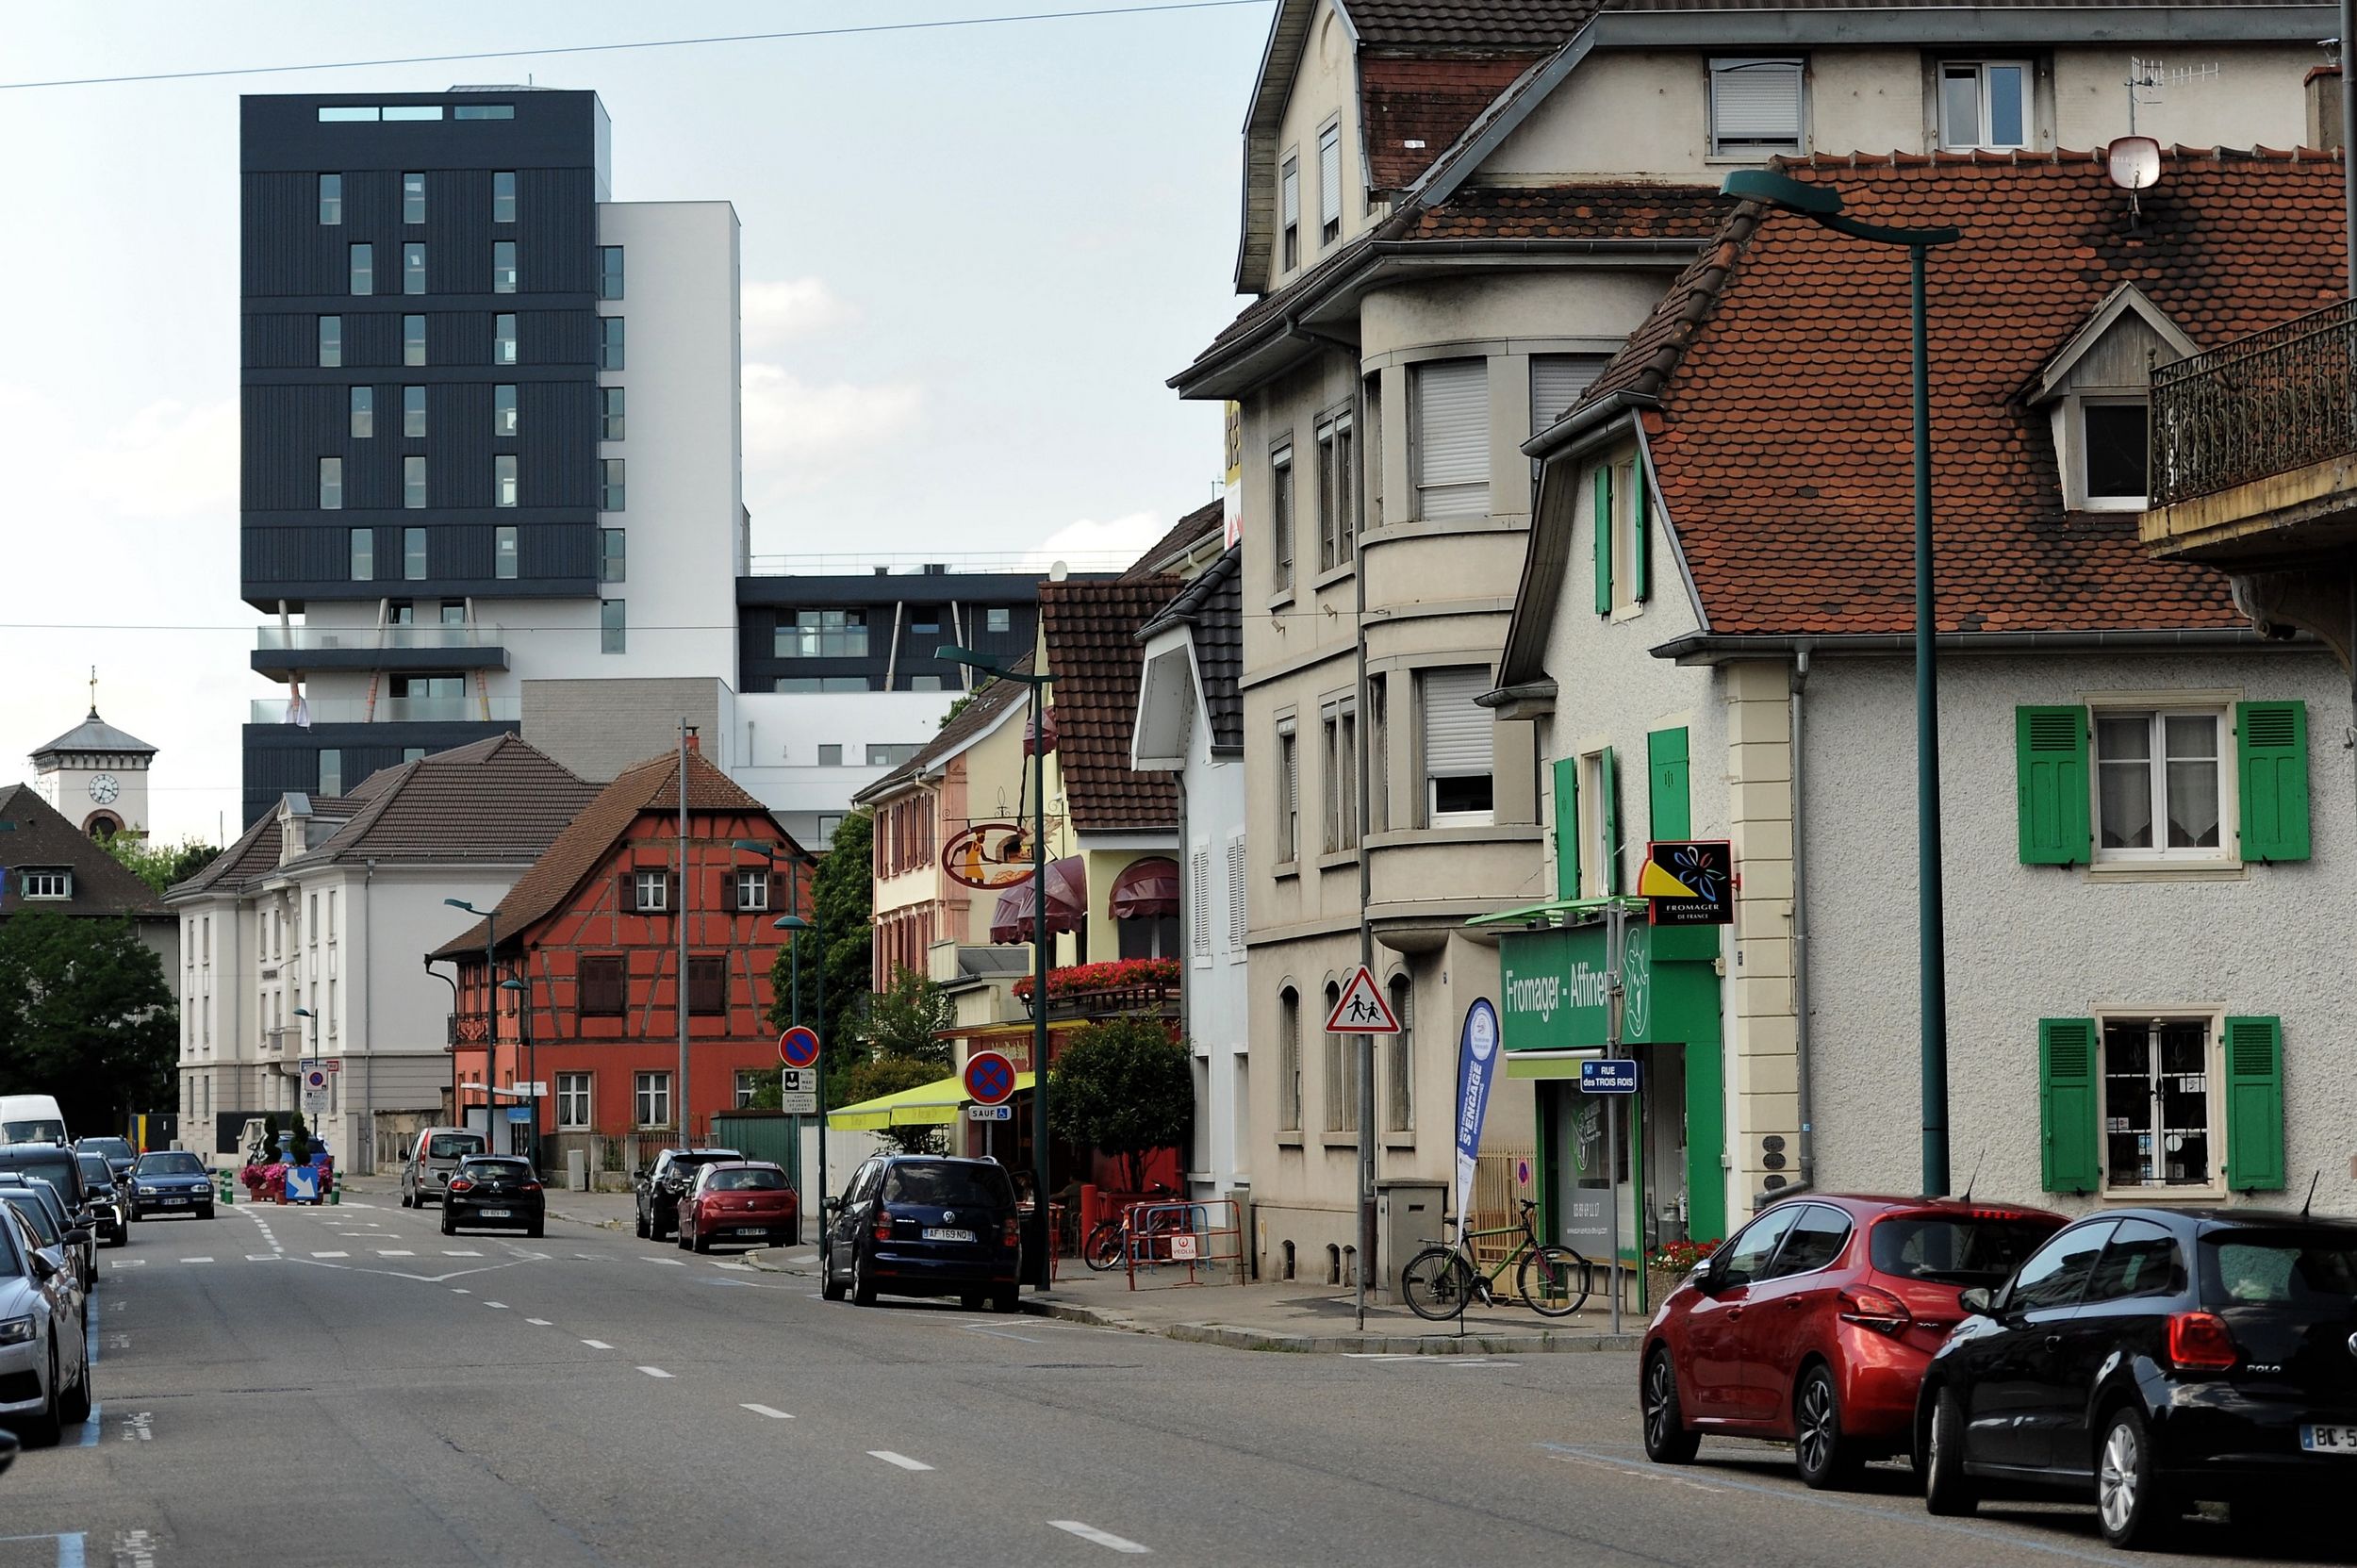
(971, 258)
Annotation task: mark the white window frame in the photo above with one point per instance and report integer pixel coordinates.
(753, 892)
(46, 881)
(1288, 792)
(2227, 851)
(1461, 488)
(1434, 816)
(1330, 181)
(651, 1099)
(1626, 478)
(1980, 69)
(1284, 508)
(2214, 1058)
(1289, 211)
(748, 1086)
(2072, 416)
(576, 1101)
(642, 882)
(1338, 474)
(1755, 149)
(1595, 854)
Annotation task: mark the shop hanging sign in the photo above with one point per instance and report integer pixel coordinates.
(1477, 1066)
(1688, 882)
(988, 855)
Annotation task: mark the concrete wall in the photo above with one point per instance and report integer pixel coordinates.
(2030, 942)
(599, 727)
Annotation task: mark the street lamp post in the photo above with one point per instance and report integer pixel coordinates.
(1038, 681)
(490, 1018)
(1821, 204)
(532, 1075)
(313, 1056)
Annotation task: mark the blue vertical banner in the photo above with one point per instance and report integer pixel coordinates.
(1477, 1064)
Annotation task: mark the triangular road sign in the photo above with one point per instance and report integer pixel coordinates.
(1361, 1009)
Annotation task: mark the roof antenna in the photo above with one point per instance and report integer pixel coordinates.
(2312, 1192)
(1969, 1180)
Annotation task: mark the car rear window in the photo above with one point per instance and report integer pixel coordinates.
(174, 1163)
(948, 1183)
(454, 1146)
(61, 1170)
(113, 1149)
(2279, 1268)
(38, 1130)
(1955, 1250)
(94, 1166)
(44, 1223)
(495, 1165)
(749, 1180)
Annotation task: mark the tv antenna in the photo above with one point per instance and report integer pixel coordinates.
(2149, 79)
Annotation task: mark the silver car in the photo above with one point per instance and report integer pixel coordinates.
(45, 1352)
(432, 1158)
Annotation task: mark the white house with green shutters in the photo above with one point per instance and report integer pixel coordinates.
(2148, 873)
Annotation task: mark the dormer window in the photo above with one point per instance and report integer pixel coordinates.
(46, 882)
(2112, 451)
(2096, 391)
(1330, 184)
(1289, 202)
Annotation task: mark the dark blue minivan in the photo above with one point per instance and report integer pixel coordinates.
(923, 1225)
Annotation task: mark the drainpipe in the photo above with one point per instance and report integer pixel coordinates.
(368, 1037)
(1802, 1078)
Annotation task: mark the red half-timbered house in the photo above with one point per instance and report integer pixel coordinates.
(592, 930)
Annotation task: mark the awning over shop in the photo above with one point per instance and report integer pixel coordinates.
(1548, 1064)
(1067, 903)
(934, 1104)
(1146, 890)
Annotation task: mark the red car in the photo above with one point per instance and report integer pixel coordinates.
(740, 1200)
(1813, 1324)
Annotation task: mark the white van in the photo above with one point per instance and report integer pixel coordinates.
(31, 1119)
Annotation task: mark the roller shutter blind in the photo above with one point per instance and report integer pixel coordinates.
(1452, 439)
(1755, 105)
(1556, 381)
(1457, 733)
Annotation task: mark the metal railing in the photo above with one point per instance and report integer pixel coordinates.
(388, 710)
(2275, 401)
(311, 639)
(935, 563)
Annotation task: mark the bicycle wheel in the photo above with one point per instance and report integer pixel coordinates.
(1104, 1248)
(1553, 1281)
(1437, 1283)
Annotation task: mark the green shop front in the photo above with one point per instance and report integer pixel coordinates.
(1668, 1174)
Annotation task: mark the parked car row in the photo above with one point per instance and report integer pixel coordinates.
(2145, 1360)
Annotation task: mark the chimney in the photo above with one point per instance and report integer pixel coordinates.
(694, 741)
(2324, 106)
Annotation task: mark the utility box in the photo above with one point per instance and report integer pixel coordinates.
(577, 1171)
(1409, 1217)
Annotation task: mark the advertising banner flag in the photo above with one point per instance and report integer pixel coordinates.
(1477, 1066)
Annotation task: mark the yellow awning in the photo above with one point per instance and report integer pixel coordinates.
(934, 1104)
(1544, 1064)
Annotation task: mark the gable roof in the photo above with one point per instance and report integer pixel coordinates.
(982, 712)
(497, 799)
(96, 734)
(1788, 487)
(1090, 632)
(1212, 607)
(38, 837)
(1168, 553)
(653, 786)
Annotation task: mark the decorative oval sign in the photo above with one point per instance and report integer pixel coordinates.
(988, 855)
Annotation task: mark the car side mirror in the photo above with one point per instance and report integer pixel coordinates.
(79, 1235)
(1980, 1301)
(1707, 1276)
(42, 1269)
(831, 1205)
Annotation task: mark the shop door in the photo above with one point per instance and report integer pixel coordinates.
(1663, 1189)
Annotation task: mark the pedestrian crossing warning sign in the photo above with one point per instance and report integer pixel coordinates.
(1692, 883)
(1360, 1009)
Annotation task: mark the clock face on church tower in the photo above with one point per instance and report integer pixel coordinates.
(103, 789)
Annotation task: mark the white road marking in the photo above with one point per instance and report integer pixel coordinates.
(138, 1427)
(901, 1459)
(130, 1263)
(597, 1345)
(455, 1252)
(671, 1263)
(539, 1322)
(457, 1290)
(497, 1306)
(135, 1549)
(261, 1257)
(394, 1252)
(764, 1410)
(654, 1371)
(740, 1268)
(1103, 1538)
(591, 1257)
(196, 1260)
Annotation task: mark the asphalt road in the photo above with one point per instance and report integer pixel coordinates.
(348, 1386)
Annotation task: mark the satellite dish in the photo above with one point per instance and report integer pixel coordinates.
(2133, 162)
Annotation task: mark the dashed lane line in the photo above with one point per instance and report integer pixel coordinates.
(196, 1260)
(331, 1254)
(765, 1410)
(901, 1459)
(1106, 1538)
(460, 1290)
(597, 1345)
(654, 1371)
(539, 1323)
(458, 1252)
(497, 1306)
(394, 1252)
(669, 1263)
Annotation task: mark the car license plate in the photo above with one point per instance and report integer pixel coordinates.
(494, 1214)
(942, 1234)
(2329, 1440)
(175, 1200)
(751, 1231)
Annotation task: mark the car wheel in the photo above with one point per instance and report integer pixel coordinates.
(407, 1202)
(971, 1300)
(41, 1429)
(449, 1226)
(2130, 1501)
(535, 1230)
(639, 1215)
(1006, 1300)
(862, 1288)
(704, 1243)
(1667, 1440)
(829, 1288)
(1947, 1490)
(206, 1212)
(1825, 1459)
(73, 1409)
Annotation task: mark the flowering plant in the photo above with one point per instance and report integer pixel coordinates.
(1680, 1256)
(1121, 974)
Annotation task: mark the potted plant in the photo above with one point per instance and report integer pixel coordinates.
(1667, 1266)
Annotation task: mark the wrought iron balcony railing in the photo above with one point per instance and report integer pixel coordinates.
(2269, 403)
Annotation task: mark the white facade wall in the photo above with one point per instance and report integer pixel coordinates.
(774, 739)
(2030, 942)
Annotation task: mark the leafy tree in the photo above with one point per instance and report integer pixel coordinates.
(159, 866)
(957, 707)
(1123, 1086)
(85, 1014)
(835, 984)
(905, 1019)
(889, 1075)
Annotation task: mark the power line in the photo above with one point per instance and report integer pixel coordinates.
(648, 44)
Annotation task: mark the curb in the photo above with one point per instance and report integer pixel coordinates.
(584, 1219)
(1232, 1337)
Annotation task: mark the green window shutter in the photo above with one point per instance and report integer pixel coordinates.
(2272, 762)
(2050, 763)
(2254, 1104)
(1567, 827)
(1669, 801)
(1641, 546)
(2066, 1105)
(1609, 772)
(1603, 540)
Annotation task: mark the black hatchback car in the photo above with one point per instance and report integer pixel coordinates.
(494, 1192)
(2149, 1359)
(923, 1225)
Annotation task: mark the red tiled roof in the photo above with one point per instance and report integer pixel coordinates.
(1428, 102)
(1617, 210)
(1783, 446)
(584, 845)
(1205, 519)
(1531, 26)
(1091, 634)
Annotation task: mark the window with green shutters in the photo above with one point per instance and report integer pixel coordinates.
(1623, 536)
(1670, 807)
(1567, 827)
(2254, 1104)
(2051, 774)
(2067, 1105)
(1603, 539)
(2271, 774)
(2134, 1103)
(2145, 786)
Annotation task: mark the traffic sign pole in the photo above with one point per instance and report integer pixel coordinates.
(1615, 951)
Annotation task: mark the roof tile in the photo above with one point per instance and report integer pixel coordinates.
(1091, 634)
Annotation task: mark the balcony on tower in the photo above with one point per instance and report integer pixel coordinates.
(284, 652)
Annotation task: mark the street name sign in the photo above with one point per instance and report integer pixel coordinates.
(798, 1047)
(989, 1078)
(1608, 1076)
(802, 1091)
(1361, 1008)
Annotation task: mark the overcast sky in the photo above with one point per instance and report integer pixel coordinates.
(971, 256)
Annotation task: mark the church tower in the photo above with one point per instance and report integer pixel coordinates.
(95, 774)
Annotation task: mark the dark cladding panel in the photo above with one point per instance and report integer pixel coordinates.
(559, 452)
(557, 336)
(284, 757)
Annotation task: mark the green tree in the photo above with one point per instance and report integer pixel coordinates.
(159, 866)
(85, 1014)
(905, 1019)
(1123, 1086)
(889, 1075)
(836, 982)
(957, 707)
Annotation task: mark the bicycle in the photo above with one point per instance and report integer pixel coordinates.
(1441, 1280)
(1109, 1242)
